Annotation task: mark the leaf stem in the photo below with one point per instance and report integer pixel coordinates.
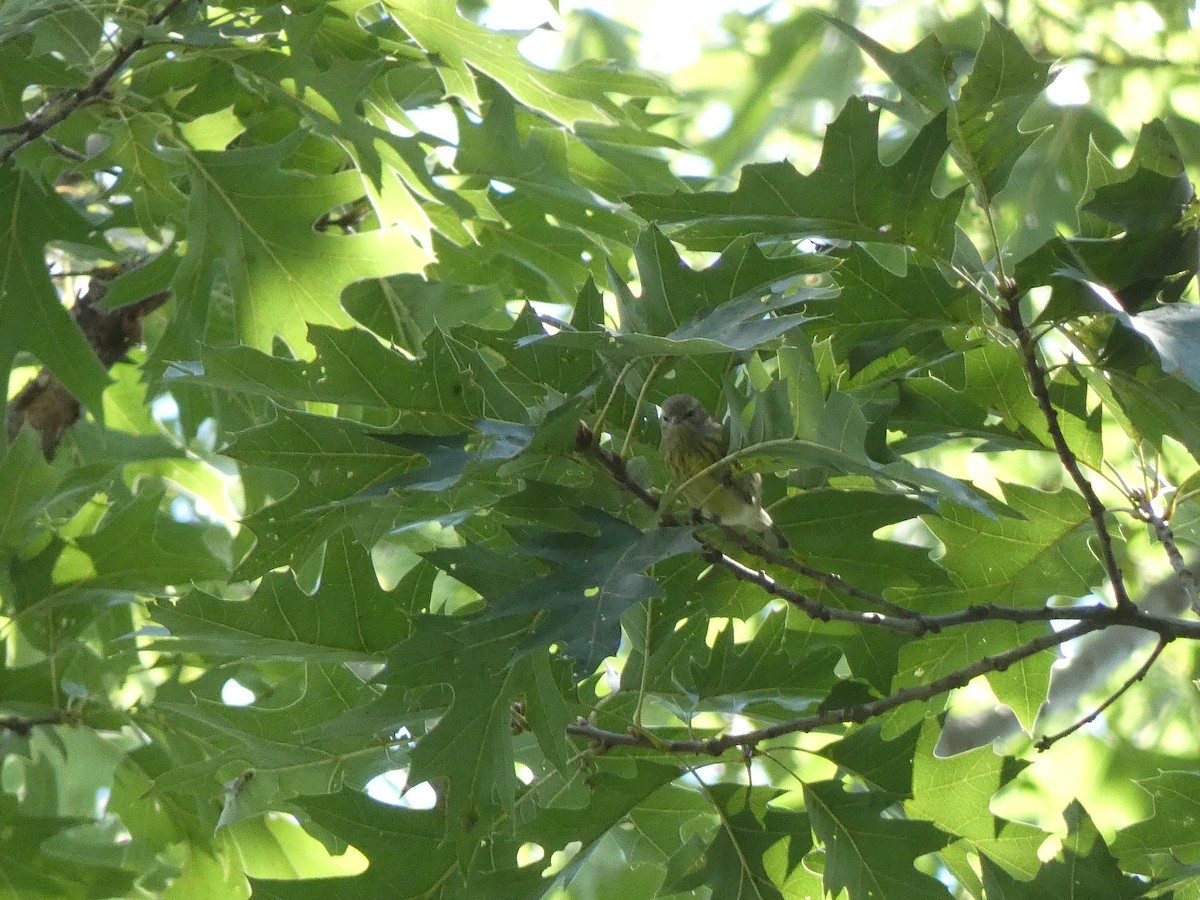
(612, 396)
(637, 407)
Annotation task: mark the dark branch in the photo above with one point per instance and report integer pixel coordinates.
(585, 442)
(1048, 741)
(1097, 615)
(831, 581)
(1162, 530)
(59, 108)
(23, 725)
(857, 713)
(1041, 393)
(812, 608)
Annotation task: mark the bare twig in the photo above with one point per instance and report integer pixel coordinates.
(1046, 742)
(1041, 393)
(857, 713)
(1145, 511)
(612, 396)
(62, 106)
(1098, 616)
(829, 580)
(23, 725)
(587, 441)
(637, 406)
(812, 608)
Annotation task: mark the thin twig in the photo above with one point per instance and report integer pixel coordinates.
(1098, 615)
(63, 150)
(637, 406)
(587, 441)
(612, 396)
(1162, 530)
(812, 608)
(829, 580)
(1048, 741)
(59, 108)
(858, 713)
(23, 725)
(1041, 393)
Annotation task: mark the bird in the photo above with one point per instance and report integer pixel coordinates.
(692, 440)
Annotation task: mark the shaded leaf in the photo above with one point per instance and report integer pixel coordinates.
(850, 195)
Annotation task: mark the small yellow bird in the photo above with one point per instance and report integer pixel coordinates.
(692, 440)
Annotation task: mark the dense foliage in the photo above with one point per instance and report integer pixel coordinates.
(335, 542)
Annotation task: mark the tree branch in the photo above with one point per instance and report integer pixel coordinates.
(1097, 615)
(59, 108)
(1145, 511)
(829, 580)
(1045, 743)
(23, 725)
(1041, 393)
(858, 713)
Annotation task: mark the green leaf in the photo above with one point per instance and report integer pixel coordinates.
(1021, 559)
(1081, 868)
(760, 671)
(26, 483)
(633, 788)
(1176, 800)
(955, 793)
(758, 849)
(731, 305)
(1158, 406)
(1003, 83)
(471, 746)
(251, 223)
(1174, 332)
(375, 829)
(463, 48)
(291, 757)
(850, 195)
(885, 766)
(327, 460)
(32, 317)
(868, 855)
(29, 872)
(593, 579)
(146, 173)
(1151, 193)
(139, 546)
(887, 309)
(837, 530)
(996, 380)
(924, 72)
(349, 617)
(1008, 561)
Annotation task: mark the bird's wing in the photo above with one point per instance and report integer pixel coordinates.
(747, 485)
